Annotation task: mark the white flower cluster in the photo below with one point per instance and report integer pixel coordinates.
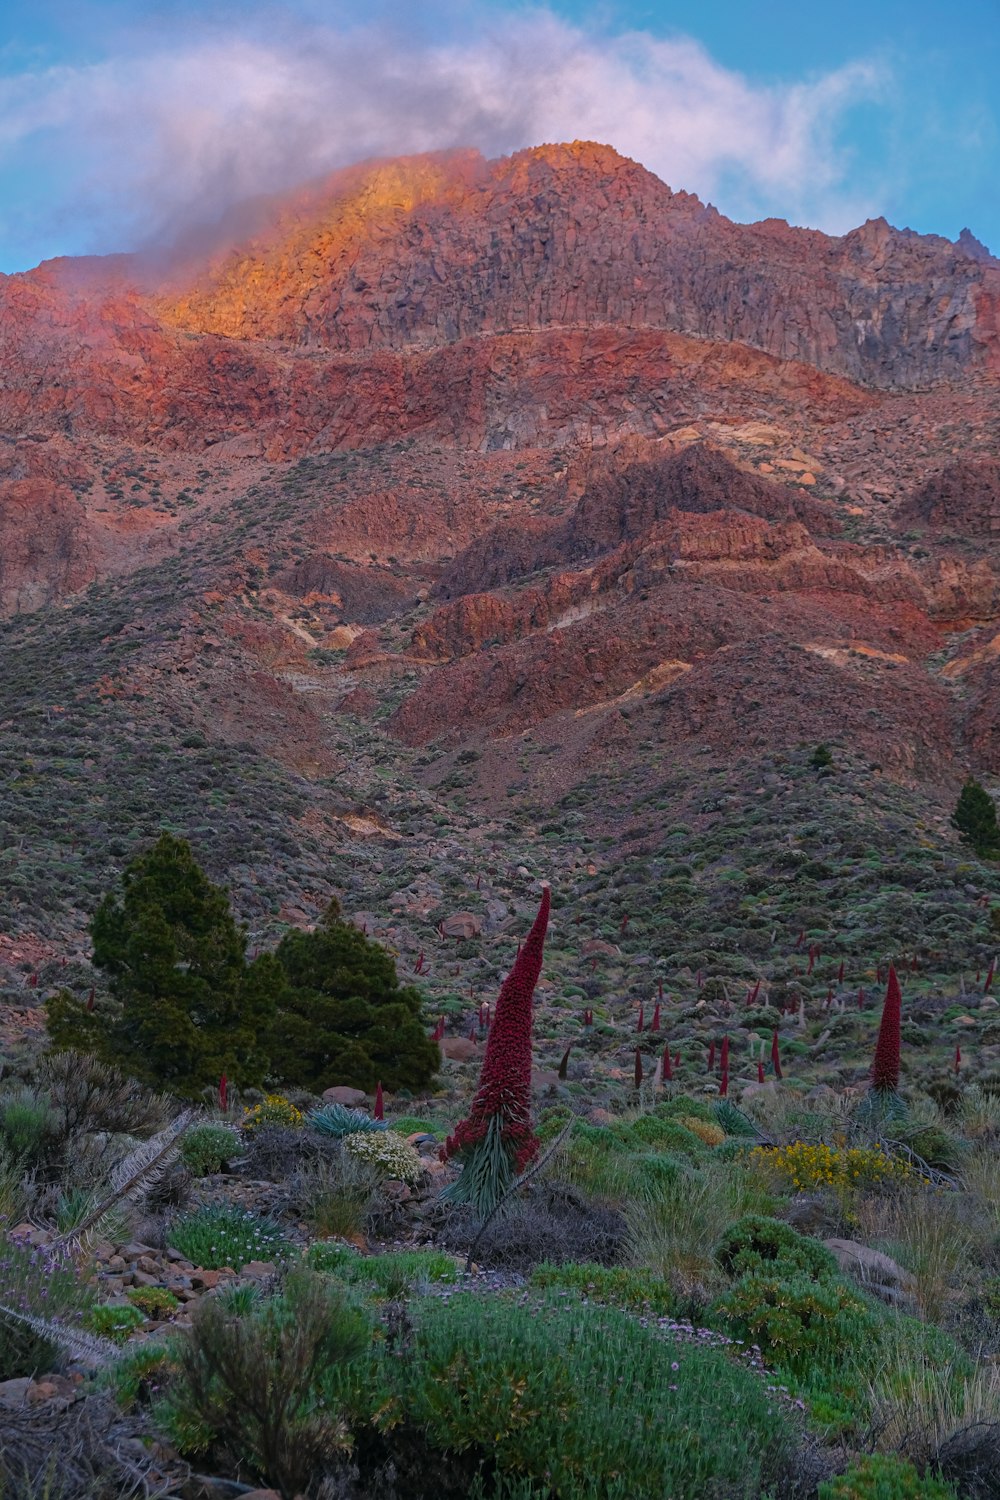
(388, 1152)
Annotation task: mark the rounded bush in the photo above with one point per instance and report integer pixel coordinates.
(220, 1236)
(883, 1476)
(757, 1243)
(208, 1148)
(799, 1325)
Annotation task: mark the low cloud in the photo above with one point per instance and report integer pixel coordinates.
(158, 138)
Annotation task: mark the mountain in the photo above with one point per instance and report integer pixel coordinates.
(475, 517)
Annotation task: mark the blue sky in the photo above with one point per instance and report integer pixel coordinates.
(124, 122)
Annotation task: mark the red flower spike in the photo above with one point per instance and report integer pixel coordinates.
(224, 1093)
(801, 938)
(624, 926)
(724, 1084)
(638, 1068)
(379, 1103)
(504, 1091)
(958, 1058)
(472, 1030)
(840, 973)
(756, 993)
(677, 1059)
(989, 978)
(829, 997)
(711, 1058)
(668, 1071)
(776, 1055)
(700, 979)
(885, 1069)
(33, 981)
(812, 960)
(654, 1024)
(760, 1071)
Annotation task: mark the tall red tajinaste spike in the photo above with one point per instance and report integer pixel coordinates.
(668, 1071)
(724, 1061)
(724, 1084)
(642, 1019)
(958, 1058)
(379, 1103)
(989, 977)
(224, 1094)
(760, 1071)
(505, 1080)
(885, 1069)
(840, 973)
(654, 1024)
(711, 1057)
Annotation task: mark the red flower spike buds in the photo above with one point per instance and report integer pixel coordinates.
(677, 1059)
(724, 1084)
(776, 1055)
(989, 978)
(379, 1103)
(958, 1058)
(654, 1024)
(801, 938)
(885, 1069)
(504, 1093)
(760, 1071)
(668, 1071)
(756, 993)
(711, 1057)
(224, 1093)
(624, 926)
(829, 997)
(812, 960)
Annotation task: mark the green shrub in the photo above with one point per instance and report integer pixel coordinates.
(209, 1148)
(756, 1243)
(114, 1321)
(618, 1285)
(152, 1301)
(257, 1384)
(218, 1236)
(487, 1379)
(666, 1135)
(397, 1273)
(800, 1325)
(27, 1128)
(884, 1477)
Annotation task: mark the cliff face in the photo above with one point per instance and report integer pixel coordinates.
(535, 445)
(433, 250)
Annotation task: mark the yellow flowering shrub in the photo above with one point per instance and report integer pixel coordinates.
(809, 1166)
(705, 1130)
(275, 1109)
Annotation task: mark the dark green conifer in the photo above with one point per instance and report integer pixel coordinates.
(180, 1013)
(975, 817)
(342, 1015)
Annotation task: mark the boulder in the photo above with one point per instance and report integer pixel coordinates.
(462, 924)
(874, 1270)
(342, 1094)
(458, 1048)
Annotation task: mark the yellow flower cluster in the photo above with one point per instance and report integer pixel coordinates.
(705, 1130)
(275, 1110)
(809, 1166)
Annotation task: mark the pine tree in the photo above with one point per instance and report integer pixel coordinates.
(975, 817)
(181, 1013)
(342, 1015)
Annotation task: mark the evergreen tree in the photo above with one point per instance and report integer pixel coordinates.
(975, 817)
(342, 1015)
(182, 1010)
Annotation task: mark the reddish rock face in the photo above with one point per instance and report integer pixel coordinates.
(486, 447)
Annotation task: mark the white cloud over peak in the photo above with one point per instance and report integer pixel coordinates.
(158, 137)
